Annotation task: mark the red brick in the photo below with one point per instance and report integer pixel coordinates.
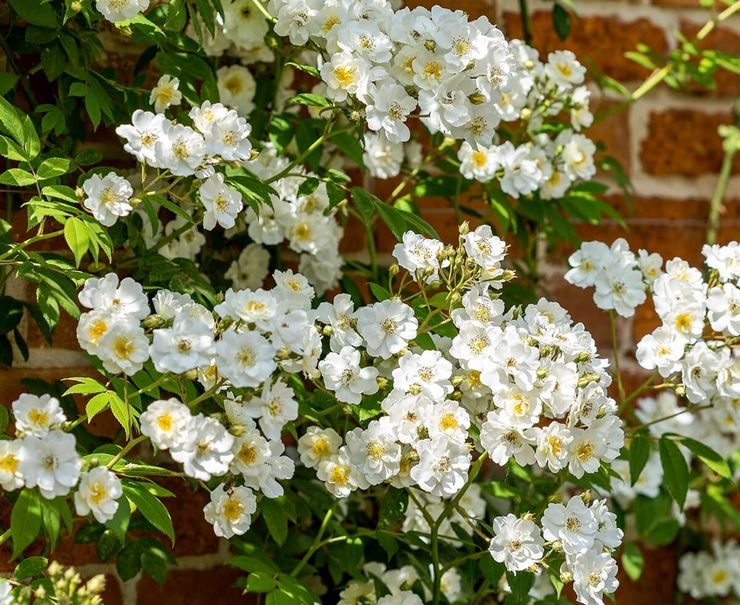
(657, 582)
(611, 129)
(684, 142)
(195, 587)
(599, 41)
(194, 535)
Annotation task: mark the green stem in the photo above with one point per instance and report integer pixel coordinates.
(718, 196)
(638, 391)
(30, 241)
(126, 449)
(659, 75)
(683, 411)
(4, 536)
(326, 135)
(316, 543)
(526, 25)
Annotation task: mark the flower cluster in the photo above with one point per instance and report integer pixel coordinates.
(43, 455)
(301, 215)
(586, 535)
(716, 574)
(392, 63)
(399, 584)
(700, 318)
(538, 92)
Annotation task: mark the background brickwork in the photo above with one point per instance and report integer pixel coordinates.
(667, 142)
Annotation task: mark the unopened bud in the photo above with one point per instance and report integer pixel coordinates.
(526, 113)
(327, 331)
(382, 382)
(430, 45)
(314, 375)
(458, 380)
(76, 6)
(477, 98)
(393, 270)
(192, 374)
(464, 228)
(508, 275)
(456, 395)
(528, 517)
(134, 202)
(126, 31)
(587, 379)
(80, 193)
(557, 546)
(153, 321)
(583, 357)
(566, 577)
(237, 430)
(586, 496)
(40, 593)
(681, 390)
(542, 373)
(355, 116)
(283, 353)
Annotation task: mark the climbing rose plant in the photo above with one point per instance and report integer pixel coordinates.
(414, 433)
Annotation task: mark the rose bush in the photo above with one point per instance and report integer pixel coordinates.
(419, 428)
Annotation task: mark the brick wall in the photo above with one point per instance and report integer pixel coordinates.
(668, 144)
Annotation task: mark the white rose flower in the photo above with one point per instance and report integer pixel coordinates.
(230, 511)
(108, 198)
(98, 493)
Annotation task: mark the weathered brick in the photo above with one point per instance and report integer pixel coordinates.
(599, 41)
(195, 587)
(683, 142)
(669, 227)
(611, 129)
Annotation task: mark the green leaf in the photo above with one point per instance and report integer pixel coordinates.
(260, 582)
(25, 520)
(36, 12)
(53, 167)
(560, 21)
(29, 567)
(153, 510)
(77, 237)
(128, 562)
(639, 453)
(633, 561)
(17, 177)
(675, 470)
(84, 386)
(708, 456)
(392, 507)
(311, 100)
(120, 521)
(276, 519)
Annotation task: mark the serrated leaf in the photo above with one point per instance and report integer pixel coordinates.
(53, 167)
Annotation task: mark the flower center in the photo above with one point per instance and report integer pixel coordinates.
(123, 347)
